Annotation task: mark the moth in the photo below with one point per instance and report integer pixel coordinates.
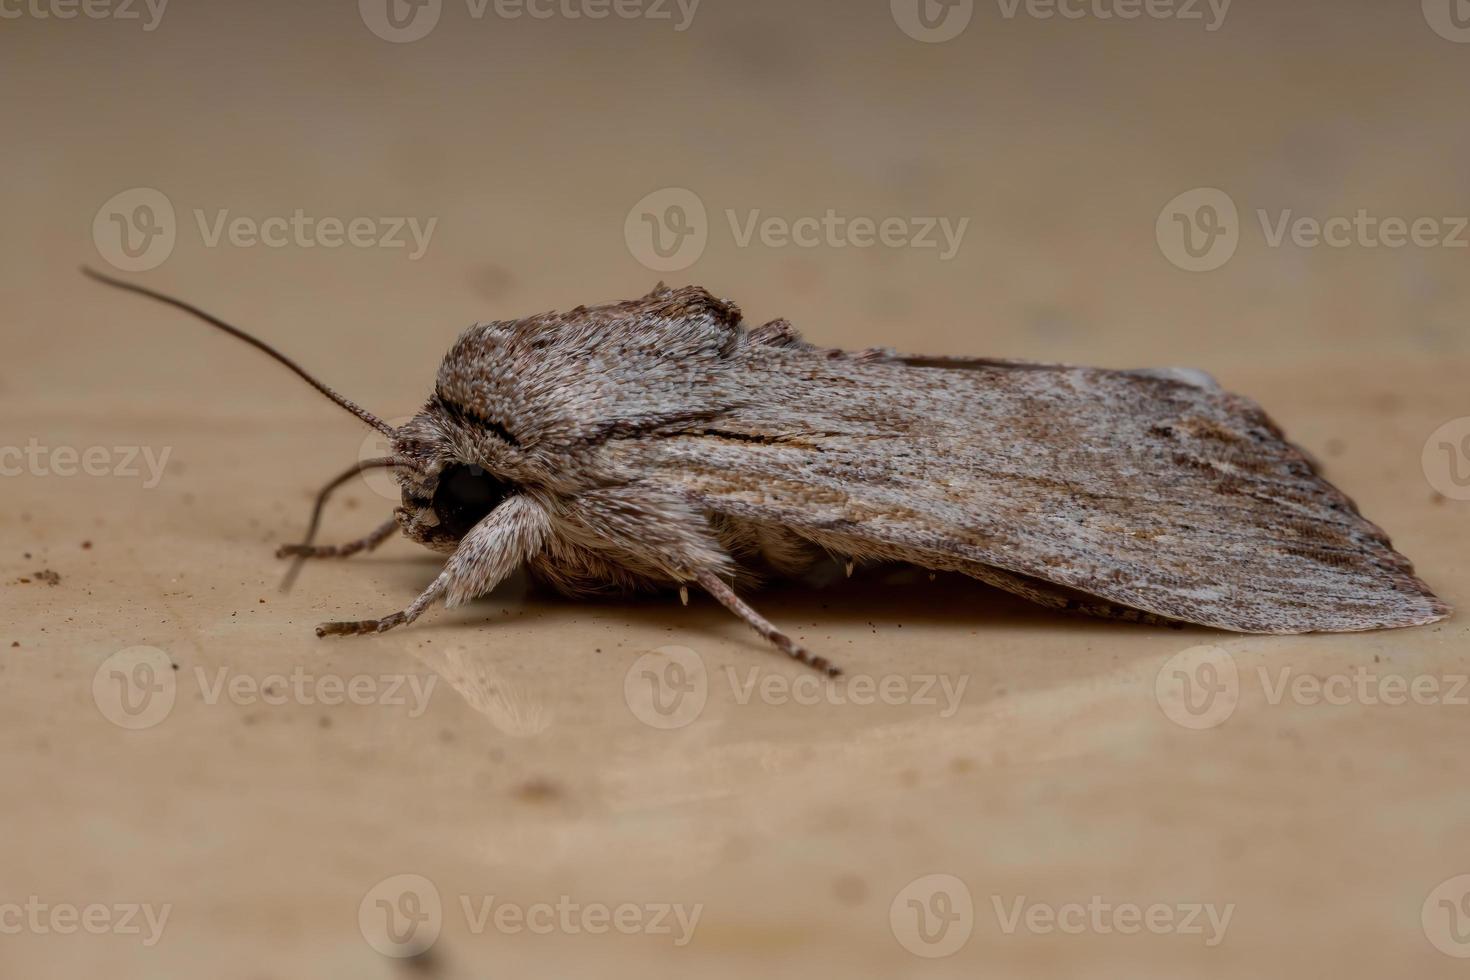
(659, 442)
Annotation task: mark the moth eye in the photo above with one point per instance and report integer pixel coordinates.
(465, 494)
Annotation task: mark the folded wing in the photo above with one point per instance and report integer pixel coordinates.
(1155, 490)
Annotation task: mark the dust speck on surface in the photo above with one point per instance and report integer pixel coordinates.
(47, 576)
(849, 889)
(539, 790)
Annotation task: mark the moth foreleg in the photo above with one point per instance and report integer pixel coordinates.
(402, 618)
(716, 587)
(367, 542)
(492, 549)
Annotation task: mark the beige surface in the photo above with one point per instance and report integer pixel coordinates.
(528, 777)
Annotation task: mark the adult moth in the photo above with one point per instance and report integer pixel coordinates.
(658, 442)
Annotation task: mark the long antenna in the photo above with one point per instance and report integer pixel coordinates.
(348, 404)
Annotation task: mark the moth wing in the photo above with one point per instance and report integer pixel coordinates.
(1152, 489)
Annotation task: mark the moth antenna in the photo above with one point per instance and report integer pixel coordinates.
(321, 502)
(346, 403)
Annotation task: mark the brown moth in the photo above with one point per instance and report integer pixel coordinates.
(657, 442)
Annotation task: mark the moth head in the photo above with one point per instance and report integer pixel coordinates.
(448, 487)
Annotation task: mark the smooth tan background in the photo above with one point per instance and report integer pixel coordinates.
(529, 777)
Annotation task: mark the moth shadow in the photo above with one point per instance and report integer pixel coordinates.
(884, 597)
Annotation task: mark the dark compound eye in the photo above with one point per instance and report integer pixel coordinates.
(464, 496)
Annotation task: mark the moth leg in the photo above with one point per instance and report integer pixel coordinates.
(403, 618)
(305, 550)
(716, 587)
(495, 547)
(365, 543)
